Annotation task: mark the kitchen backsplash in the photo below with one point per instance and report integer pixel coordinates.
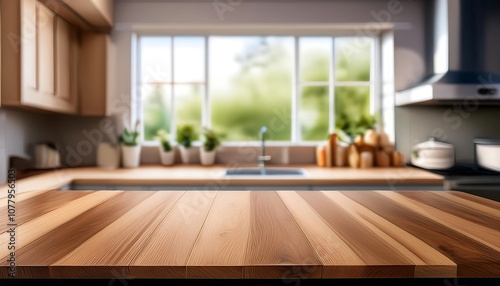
(453, 124)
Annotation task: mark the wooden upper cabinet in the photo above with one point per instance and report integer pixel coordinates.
(40, 53)
(95, 73)
(87, 15)
(98, 13)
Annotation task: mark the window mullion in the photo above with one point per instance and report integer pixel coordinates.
(138, 86)
(173, 114)
(331, 90)
(296, 136)
(205, 119)
(375, 72)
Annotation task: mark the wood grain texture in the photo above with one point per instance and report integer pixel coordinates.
(473, 258)
(168, 248)
(277, 248)
(219, 251)
(33, 229)
(472, 205)
(479, 200)
(36, 257)
(117, 244)
(484, 235)
(335, 255)
(463, 209)
(39, 205)
(255, 234)
(370, 247)
(428, 261)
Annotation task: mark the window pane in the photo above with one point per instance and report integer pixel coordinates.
(188, 105)
(155, 59)
(352, 59)
(189, 59)
(314, 113)
(250, 86)
(351, 105)
(315, 57)
(156, 109)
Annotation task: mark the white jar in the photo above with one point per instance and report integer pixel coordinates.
(108, 155)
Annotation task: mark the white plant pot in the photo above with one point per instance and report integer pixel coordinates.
(108, 156)
(131, 156)
(167, 158)
(207, 158)
(187, 154)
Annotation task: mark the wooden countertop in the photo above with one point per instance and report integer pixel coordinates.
(253, 234)
(212, 177)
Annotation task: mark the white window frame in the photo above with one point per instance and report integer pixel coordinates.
(297, 85)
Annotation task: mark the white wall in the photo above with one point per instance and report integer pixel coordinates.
(408, 16)
(19, 131)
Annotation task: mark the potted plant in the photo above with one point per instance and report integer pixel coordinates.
(131, 150)
(186, 134)
(210, 143)
(167, 154)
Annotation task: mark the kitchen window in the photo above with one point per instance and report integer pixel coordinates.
(301, 87)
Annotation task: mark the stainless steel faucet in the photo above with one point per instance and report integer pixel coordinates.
(263, 158)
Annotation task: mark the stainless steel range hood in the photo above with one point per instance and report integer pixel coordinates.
(459, 75)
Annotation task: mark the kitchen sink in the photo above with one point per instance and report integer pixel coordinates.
(296, 172)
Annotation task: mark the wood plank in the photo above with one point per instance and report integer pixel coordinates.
(493, 211)
(21, 196)
(488, 219)
(473, 259)
(219, 251)
(33, 207)
(337, 258)
(277, 248)
(166, 253)
(111, 250)
(33, 229)
(477, 199)
(369, 246)
(482, 234)
(33, 260)
(429, 263)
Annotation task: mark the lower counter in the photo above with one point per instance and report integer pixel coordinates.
(252, 234)
(212, 177)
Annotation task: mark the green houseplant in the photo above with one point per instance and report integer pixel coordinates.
(167, 154)
(208, 149)
(131, 150)
(186, 134)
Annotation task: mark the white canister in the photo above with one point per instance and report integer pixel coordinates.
(108, 156)
(432, 154)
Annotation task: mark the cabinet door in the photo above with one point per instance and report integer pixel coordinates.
(46, 49)
(47, 60)
(66, 62)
